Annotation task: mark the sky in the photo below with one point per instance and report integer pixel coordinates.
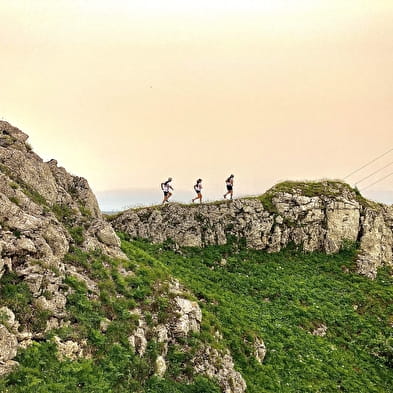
(127, 93)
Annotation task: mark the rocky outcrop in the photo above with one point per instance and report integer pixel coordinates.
(43, 212)
(315, 216)
(10, 340)
(185, 318)
(219, 366)
(259, 350)
(69, 349)
(39, 199)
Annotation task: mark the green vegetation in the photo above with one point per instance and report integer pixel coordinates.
(114, 366)
(68, 216)
(15, 200)
(282, 298)
(85, 211)
(15, 294)
(34, 195)
(64, 213)
(77, 234)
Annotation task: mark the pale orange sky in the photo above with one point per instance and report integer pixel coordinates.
(126, 93)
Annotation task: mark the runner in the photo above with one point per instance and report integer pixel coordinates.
(229, 184)
(198, 188)
(165, 187)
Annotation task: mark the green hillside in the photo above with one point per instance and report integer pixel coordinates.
(243, 294)
(282, 298)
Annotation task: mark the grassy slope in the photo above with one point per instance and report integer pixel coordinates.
(282, 298)
(114, 366)
(279, 297)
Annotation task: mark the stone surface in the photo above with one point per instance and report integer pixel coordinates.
(219, 366)
(138, 341)
(160, 366)
(7, 367)
(8, 344)
(189, 317)
(259, 350)
(8, 317)
(68, 349)
(320, 330)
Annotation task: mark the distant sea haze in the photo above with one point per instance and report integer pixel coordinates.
(118, 200)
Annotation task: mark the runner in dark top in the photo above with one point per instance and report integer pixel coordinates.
(229, 184)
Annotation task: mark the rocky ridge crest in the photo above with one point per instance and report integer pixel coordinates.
(320, 216)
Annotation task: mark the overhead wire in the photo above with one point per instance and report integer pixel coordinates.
(372, 184)
(372, 174)
(369, 163)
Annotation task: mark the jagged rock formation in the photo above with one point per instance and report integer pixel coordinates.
(184, 319)
(316, 216)
(44, 213)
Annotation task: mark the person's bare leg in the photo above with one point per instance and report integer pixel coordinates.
(199, 196)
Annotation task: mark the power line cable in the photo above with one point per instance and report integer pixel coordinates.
(372, 174)
(365, 188)
(375, 159)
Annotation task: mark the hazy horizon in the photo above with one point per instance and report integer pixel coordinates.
(127, 93)
(119, 200)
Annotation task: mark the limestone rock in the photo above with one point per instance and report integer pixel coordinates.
(104, 324)
(101, 235)
(259, 350)
(68, 349)
(219, 366)
(8, 344)
(376, 243)
(7, 317)
(5, 263)
(7, 367)
(138, 341)
(320, 330)
(190, 317)
(160, 366)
